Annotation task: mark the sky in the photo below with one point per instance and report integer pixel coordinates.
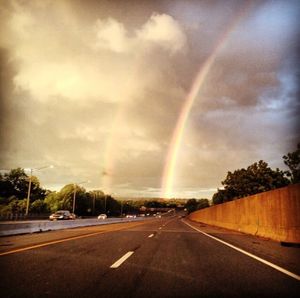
(147, 98)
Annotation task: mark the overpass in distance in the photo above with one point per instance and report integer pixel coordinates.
(164, 257)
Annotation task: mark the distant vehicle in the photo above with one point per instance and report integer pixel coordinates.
(130, 216)
(61, 215)
(102, 216)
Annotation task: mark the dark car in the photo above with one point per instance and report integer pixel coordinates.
(61, 215)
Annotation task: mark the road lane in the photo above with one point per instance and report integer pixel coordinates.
(176, 261)
(23, 242)
(182, 263)
(67, 268)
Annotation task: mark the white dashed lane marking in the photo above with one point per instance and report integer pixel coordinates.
(121, 260)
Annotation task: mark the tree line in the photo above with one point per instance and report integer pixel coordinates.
(14, 191)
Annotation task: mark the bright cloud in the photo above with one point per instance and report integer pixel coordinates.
(77, 65)
(164, 31)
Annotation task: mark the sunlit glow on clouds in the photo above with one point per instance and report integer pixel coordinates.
(97, 92)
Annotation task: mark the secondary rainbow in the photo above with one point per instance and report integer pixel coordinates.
(172, 156)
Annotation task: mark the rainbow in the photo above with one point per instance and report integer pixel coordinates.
(172, 156)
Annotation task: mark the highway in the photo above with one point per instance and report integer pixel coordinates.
(166, 257)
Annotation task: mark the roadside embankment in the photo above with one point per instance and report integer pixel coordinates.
(273, 214)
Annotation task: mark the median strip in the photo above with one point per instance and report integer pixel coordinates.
(121, 260)
(276, 267)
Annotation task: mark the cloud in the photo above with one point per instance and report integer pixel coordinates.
(83, 62)
(160, 30)
(164, 31)
(112, 35)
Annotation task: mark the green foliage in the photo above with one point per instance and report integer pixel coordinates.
(52, 201)
(193, 204)
(155, 204)
(258, 177)
(39, 206)
(129, 207)
(15, 183)
(113, 207)
(97, 201)
(221, 196)
(64, 199)
(13, 206)
(292, 160)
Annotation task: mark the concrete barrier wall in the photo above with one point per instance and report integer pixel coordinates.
(16, 228)
(274, 214)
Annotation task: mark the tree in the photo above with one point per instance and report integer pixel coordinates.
(203, 203)
(52, 201)
(15, 183)
(84, 201)
(97, 201)
(39, 206)
(222, 196)
(113, 206)
(64, 199)
(193, 204)
(292, 160)
(258, 177)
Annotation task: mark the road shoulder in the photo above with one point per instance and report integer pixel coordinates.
(270, 250)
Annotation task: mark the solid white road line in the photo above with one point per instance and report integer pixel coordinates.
(291, 274)
(150, 235)
(121, 260)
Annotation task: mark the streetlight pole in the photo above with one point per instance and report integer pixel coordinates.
(74, 194)
(28, 193)
(121, 208)
(29, 186)
(74, 198)
(94, 198)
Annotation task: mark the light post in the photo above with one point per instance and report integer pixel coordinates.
(74, 194)
(29, 186)
(94, 198)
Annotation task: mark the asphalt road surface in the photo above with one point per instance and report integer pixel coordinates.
(165, 257)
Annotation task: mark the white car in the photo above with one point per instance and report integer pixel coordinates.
(102, 216)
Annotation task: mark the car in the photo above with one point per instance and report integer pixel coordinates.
(61, 215)
(130, 216)
(102, 216)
